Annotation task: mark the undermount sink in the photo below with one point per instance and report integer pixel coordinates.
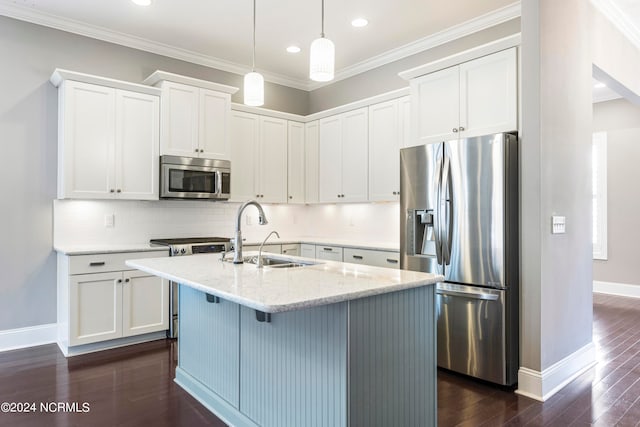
(275, 262)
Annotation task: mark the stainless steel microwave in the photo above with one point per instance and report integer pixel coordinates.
(193, 178)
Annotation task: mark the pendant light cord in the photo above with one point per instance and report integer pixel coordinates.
(322, 32)
(253, 56)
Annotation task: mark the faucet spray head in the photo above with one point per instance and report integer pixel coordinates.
(262, 220)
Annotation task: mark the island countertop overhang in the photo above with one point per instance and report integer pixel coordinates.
(275, 290)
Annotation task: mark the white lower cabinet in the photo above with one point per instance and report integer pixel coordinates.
(375, 258)
(307, 250)
(272, 249)
(331, 253)
(291, 249)
(108, 305)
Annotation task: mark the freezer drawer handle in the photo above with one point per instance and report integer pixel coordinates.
(482, 296)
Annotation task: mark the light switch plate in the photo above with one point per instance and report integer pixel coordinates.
(557, 225)
(109, 220)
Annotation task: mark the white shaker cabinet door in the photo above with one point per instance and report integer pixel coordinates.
(404, 124)
(330, 165)
(355, 147)
(296, 162)
(145, 303)
(179, 134)
(214, 113)
(272, 179)
(435, 109)
(244, 155)
(488, 94)
(87, 141)
(384, 151)
(311, 162)
(95, 302)
(137, 144)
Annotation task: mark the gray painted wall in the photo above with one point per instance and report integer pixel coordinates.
(385, 78)
(621, 120)
(556, 180)
(28, 131)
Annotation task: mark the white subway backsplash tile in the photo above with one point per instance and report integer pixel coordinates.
(80, 222)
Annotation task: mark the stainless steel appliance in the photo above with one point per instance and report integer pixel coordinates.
(459, 218)
(188, 246)
(193, 178)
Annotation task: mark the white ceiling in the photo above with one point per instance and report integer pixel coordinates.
(218, 33)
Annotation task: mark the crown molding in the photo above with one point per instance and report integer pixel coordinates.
(474, 25)
(613, 13)
(29, 14)
(59, 76)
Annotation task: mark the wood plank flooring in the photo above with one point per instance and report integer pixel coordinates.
(133, 386)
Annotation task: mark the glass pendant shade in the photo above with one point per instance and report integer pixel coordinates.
(322, 58)
(253, 89)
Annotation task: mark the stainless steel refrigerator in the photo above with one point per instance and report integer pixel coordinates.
(459, 218)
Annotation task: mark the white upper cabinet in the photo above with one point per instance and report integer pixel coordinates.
(474, 98)
(258, 158)
(244, 155)
(296, 161)
(311, 162)
(271, 185)
(195, 121)
(343, 157)
(489, 94)
(108, 142)
(386, 135)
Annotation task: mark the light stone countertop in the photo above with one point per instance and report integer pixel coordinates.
(107, 249)
(274, 290)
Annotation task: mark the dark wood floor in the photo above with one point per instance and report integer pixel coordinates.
(133, 386)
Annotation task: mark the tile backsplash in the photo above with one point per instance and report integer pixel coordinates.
(82, 222)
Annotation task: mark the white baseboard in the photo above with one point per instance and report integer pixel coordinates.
(28, 337)
(542, 385)
(621, 289)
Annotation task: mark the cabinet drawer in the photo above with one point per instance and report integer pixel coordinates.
(101, 263)
(291, 249)
(272, 249)
(332, 253)
(369, 257)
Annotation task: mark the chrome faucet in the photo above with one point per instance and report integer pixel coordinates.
(262, 220)
(260, 262)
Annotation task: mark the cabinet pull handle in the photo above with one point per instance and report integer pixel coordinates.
(455, 130)
(357, 256)
(461, 128)
(392, 261)
(327, 249)
(127, 280)
(96, 264)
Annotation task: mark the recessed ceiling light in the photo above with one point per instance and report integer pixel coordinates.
(359, 22)
(142, 2)
(599, 85)
(293, 49)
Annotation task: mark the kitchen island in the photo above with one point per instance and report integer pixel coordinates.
(329, 344)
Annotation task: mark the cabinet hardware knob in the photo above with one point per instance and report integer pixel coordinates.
(127, 280)
(461, 128)
(455, 130)
(112, 191)
(291, 197)
(201, 150)
(119, 280)
(118, 191)
(196, 150)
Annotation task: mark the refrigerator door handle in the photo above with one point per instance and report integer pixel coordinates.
(471, 295)
(437, 213)
(446, 209)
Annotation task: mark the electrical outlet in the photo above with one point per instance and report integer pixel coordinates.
(558, 224)
(110, 220)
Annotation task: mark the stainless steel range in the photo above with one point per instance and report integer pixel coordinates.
(188, 246)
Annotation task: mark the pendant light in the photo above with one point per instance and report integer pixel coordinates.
(254, 82)
(321, 57)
